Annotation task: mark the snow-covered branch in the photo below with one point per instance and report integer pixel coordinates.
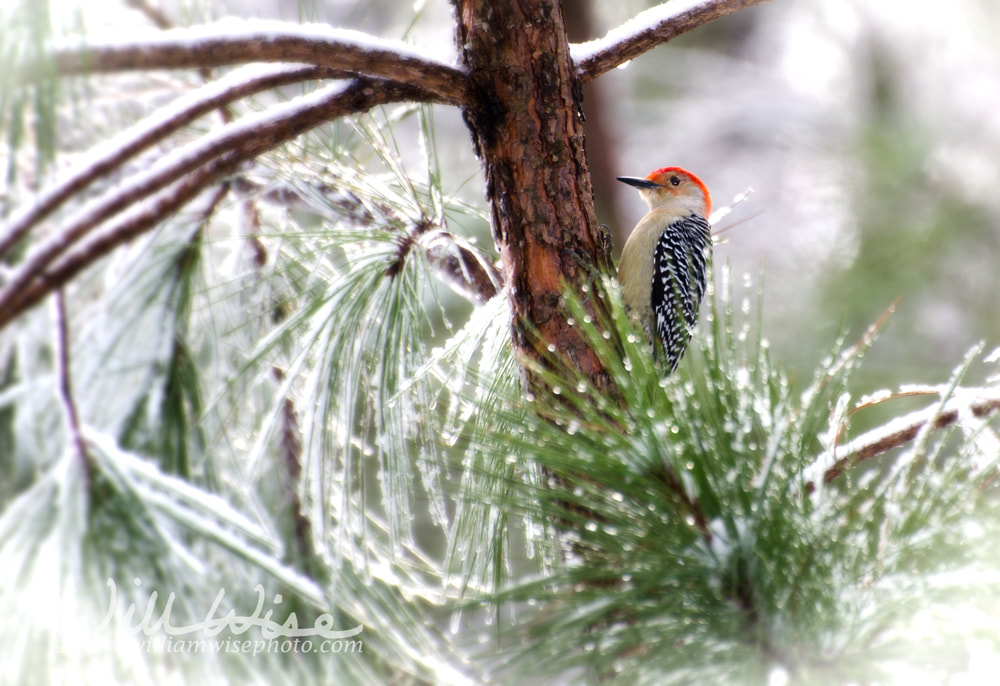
(176, 179)
(112, 154)
(647, 30)
(233, 41)
(966, 406)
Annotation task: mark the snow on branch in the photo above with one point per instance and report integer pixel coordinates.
(967, 407)
(176, 179)
(239, 41)
(115, 152)
(648, 29)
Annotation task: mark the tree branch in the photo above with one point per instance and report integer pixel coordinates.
(235, 41)
(647, 30)
(151, 130)
(153, 14)
(65, 383)
(457, 262)
(904, 429)
(178, 179)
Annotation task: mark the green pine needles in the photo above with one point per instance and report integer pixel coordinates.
(699, 542)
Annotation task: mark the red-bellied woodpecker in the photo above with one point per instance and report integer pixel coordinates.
(662, 269)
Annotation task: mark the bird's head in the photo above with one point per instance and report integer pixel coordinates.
(673, 186)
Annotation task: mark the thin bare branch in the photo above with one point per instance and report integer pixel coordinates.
(172, 185)
(65, 383)
(647, 30)
(233, 41)
(160, 20)
(154, 14)
(150, 131)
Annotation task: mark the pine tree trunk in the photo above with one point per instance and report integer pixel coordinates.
(525, 117)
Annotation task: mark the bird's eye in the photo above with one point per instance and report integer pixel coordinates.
(675, 181)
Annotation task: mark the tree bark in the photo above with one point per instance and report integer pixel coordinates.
(599, 128)
(524, 112)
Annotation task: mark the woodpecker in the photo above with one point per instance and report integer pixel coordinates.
(662, 269)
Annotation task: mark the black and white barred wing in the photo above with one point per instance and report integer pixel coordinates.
(679, 282)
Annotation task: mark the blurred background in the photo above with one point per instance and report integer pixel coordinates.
(869, 133)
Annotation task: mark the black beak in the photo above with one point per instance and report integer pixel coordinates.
(638, 183)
